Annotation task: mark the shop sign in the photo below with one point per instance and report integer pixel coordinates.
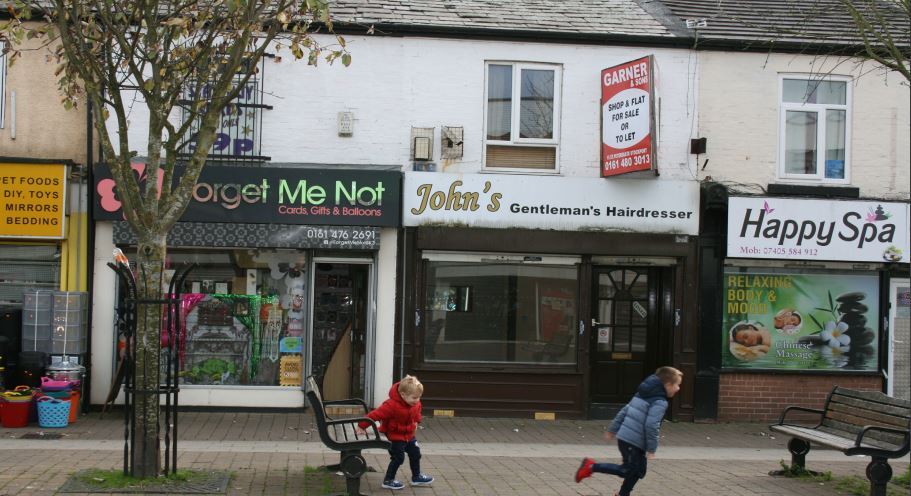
(796, 229)
(800, 321)
(627, 117)
(34, 200)
(277, 195)
(558, 203)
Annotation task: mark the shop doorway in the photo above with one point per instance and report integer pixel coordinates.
(624, 337)
(340, 327)
(899, 339)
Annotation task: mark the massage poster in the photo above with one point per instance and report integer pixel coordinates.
(775, 320)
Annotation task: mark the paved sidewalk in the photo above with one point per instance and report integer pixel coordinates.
(468, 456)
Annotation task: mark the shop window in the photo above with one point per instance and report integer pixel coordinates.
(242, 316)
(815, 129)
(496, 312)
(522, 116)
(801, 319)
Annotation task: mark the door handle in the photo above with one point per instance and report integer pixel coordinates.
(595, 322)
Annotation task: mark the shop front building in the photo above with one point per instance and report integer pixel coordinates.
(549, 297)
(808, 288)
(291, 272)
(42, 255)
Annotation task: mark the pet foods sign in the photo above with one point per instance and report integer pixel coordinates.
(794, 229)
(800, 321)
(628, 142)
(33, 200)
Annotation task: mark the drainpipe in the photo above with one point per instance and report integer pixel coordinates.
(90, 247)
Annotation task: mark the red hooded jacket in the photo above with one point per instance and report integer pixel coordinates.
(398, 420)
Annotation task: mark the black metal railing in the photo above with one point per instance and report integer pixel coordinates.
(128, 312)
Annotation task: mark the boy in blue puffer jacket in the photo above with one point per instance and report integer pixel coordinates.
(636, 428)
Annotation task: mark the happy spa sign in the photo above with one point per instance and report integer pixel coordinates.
(276, 195)
(798, 229)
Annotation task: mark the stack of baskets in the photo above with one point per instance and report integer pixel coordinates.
(14, 407)
(53, 412)
(64, 391)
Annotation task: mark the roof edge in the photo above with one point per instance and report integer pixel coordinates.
(400, 29)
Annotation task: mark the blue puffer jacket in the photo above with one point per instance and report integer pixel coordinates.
(639, 421)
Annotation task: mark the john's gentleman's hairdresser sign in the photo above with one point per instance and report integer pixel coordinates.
(276, 195)
(796, 229)
(555, 203)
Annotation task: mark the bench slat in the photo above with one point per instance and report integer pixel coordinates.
(875, 396)
(815, 436)
(893, 441)
(869, 417)
(898, 412)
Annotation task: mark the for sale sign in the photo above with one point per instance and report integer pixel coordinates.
(628, 141)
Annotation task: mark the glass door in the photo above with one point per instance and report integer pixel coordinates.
(340, 326)
(899, 338)
(624, 331)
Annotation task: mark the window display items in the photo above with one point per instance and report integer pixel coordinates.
(791, 320)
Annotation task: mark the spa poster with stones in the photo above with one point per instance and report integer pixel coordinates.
(782, 320)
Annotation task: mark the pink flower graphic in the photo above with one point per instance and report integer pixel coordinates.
(107, 188)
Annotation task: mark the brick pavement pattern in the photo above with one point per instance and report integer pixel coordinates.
(268, 454)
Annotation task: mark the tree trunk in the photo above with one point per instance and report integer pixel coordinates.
(152, 249)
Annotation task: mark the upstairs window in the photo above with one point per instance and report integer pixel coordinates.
(815, 130)
(522, 117)
(238, 136)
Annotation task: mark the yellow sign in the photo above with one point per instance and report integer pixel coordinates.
(32, 200)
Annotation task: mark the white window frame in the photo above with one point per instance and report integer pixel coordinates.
(515, 140)
(819, 109)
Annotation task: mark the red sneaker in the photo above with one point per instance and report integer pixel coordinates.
(585, 469)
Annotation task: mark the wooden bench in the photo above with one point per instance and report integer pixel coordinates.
(342, 435)
(854, 422)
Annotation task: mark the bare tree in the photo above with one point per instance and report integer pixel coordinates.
(884, 35)
(187, 60)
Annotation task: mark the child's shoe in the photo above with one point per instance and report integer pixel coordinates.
(421, 480)
(585, 469)
(393, 484)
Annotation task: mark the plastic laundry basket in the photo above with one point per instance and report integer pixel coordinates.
(53, 412)
(15, 413)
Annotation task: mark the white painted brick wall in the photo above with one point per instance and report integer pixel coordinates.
(396, 83)
(739, 114)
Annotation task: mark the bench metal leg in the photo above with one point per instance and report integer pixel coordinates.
(799, 449)
(878, 472)
(352, 465)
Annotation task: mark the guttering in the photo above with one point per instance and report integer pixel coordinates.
(524, 35)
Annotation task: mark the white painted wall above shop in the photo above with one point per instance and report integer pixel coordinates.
(394, 84)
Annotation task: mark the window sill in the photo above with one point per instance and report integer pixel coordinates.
(821, 190)
(526, 172)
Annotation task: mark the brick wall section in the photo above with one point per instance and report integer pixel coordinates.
(762, 397)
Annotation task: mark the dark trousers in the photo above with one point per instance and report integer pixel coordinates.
(633, 468)
(397, 457)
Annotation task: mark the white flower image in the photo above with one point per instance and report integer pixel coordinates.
(835, 338)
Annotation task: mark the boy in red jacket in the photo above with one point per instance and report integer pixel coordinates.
(398, 417)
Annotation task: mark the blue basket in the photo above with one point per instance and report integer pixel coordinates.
(53, 412)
